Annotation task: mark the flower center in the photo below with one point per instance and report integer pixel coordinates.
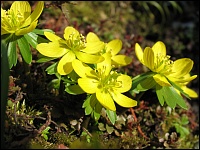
(163, 64)
(107, 82)
(105, 50)
(11, 20)
(76, 43)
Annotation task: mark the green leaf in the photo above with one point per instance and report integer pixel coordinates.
(182, 130)
(146, 84)
(12, 54)
(41, 31)
(178, 88)
(109, 129)
(169, 99)
(25, 49)
(160, 94)
(179, 99)
(32, 39)
(52, 69)
(111, 115)
(74, 89)
(184, 120)
(42, 58)
(86, 102)
(86, 105)
(55, 83)
(88, 110)
(96, 115)
(136, 80)
(101, 127)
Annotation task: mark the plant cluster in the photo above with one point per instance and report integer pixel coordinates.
(85, 64)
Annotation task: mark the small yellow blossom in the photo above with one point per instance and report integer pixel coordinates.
(72, 47)
(157, 61)
(113, 47)
(107, 85)
(18, 19)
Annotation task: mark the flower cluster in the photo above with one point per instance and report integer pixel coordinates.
(76, 53)
(88, 65)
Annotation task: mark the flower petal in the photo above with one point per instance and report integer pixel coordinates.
(105, 100)
(182, 67)
(70, 30)
(35, 14)
(65, 63)
(89, 58)
(23, 7)
(51, 49)
(159, 48)
(93, 47)
(114, 46)
(148, 58)
(121, 60)
(92, 37)
(88, 85)
(80, 68)
(189, 91)
(161, 80)
(106, 64)
(139, 53)
(51, 36)
(126, 83)
(26, 30)
(123, 100)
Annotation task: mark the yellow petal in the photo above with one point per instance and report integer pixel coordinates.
(92, 37)
(161, 80)
(126, 83)
(114, 46)
(51, 49)
(106, 64)
(65, 64)
(35, 14)
(190, 92)
(51, 36)
(88, 58)
(22, 6)
(121, 60)
(26, 30)
(123, 100)
(182, 67)
(159, 48)
(93, 47)
(105, 100)
(88, 85)
(139, 53)
(148, 58)
(80, 68)
(70, 30)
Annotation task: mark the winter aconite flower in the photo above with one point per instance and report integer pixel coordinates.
(72, 47)
(157, 61)
(113, 47)
(167, 77)
(17, 27)
(107, 85)
(18, 19)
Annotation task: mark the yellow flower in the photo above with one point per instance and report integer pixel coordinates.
(19, 20)
(190, 92)
(72, 47)
(113, 47)
(157, 61)
(107, 85)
